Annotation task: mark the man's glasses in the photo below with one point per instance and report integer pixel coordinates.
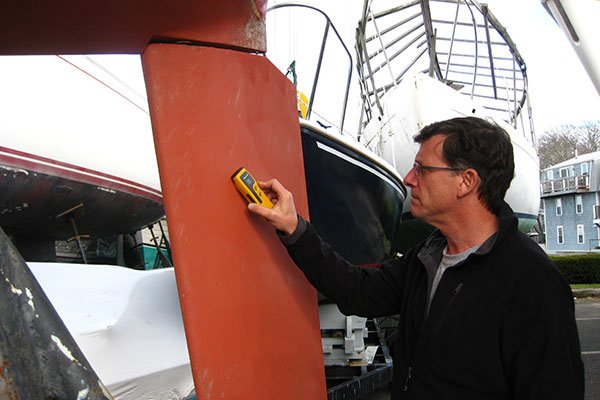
(420, 168)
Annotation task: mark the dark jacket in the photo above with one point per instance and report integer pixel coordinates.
(501, 324)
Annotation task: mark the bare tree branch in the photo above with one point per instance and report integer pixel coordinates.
(560, 144)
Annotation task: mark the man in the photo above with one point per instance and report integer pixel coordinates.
(484, 314)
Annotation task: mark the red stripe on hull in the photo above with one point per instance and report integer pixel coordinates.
(34, 163)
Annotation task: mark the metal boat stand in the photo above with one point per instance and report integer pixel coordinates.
(70, 216)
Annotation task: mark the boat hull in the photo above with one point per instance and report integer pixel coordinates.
(34, 191)
(127, 323)
(424, 100)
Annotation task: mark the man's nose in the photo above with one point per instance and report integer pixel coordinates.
(410, 179)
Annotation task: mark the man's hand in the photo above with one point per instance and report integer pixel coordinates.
(283, 215)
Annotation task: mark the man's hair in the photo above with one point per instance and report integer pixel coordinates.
(484, 146)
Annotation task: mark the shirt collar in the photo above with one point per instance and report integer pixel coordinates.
(430, 253)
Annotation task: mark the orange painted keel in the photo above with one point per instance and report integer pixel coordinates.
(251, 317)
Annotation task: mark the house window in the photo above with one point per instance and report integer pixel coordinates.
(579, 204)
(580, 234)
(584, 169)
(559, 206)
(549, 174)
(560, 239)
(564, 172)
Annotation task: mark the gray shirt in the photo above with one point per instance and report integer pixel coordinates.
(447, 261)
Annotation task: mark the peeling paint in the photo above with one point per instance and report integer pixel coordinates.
(17, 208)
(13, 288)
(30, 296)
(106, 189)
(63, 348)
(83, 393)
(15, 170)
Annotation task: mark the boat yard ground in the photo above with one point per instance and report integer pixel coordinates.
(587, 313)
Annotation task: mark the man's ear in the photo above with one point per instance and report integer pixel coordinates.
(469, 183)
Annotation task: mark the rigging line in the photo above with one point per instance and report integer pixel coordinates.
(103, 83)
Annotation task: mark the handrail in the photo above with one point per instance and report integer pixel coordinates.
(320, 60)
(458, 43)
(564, 184)
(452, 37)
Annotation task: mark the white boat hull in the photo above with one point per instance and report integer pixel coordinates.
(127, 323)
(419, 101)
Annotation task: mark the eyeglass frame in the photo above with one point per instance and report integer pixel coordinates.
(419, 168)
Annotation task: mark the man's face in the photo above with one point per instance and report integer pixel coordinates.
(433, 192)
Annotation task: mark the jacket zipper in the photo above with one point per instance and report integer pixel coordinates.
(455, 292)
(407, 379)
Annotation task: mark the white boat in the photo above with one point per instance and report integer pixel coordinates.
(73, 137)
(127, 323)
(424, 61)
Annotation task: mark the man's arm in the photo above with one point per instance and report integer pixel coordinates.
(356, 290)
(541, 347)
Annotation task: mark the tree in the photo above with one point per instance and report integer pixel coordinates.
(564, 142)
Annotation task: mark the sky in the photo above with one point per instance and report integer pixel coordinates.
(561, 92)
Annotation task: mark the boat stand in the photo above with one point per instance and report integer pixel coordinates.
(160, 257)
(358, 381)
(70, 216)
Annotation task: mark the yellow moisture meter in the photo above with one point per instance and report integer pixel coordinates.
(247, 186)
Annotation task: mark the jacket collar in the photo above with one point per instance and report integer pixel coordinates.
(430, 253)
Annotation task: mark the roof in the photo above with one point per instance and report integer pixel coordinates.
(576, 160)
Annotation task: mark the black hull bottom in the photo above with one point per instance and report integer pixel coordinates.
(30, 203)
